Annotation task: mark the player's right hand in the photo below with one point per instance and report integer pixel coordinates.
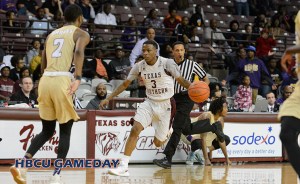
(103, 104)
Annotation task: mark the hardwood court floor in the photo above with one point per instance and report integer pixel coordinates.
(248, 173)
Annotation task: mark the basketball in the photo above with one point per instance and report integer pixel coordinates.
(199, 91)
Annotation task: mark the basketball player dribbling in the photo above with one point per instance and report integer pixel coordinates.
(182, 121)
(63, 47)
(289, 112)
(158, 74)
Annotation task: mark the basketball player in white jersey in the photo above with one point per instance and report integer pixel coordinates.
(158, 74)
(63, 47)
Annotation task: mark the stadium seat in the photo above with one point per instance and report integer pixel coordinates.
(85, 85)
(97, 81)
(81, 92)
(213, 79)
(148, 4)
(84, 103)
(123, 9)
(138, 11)
(88, 97)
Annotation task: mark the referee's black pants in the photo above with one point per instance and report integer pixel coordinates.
(182, 123)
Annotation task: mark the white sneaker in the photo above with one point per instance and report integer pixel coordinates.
(190, 158)
(122, 170)
(199, 156)
(56, 179)
(19, 174)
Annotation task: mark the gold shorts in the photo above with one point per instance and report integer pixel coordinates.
(54, 101)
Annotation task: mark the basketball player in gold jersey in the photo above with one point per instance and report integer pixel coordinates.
(63, 47)
(289, 112)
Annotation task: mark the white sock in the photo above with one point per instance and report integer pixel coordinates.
(125, 159)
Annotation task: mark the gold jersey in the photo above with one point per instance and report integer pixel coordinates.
(59, 49)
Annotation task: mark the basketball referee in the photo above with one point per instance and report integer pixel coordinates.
(184, 105)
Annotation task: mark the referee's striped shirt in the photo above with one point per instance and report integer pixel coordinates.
(188, 70)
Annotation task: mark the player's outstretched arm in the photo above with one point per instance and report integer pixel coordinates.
(183, 82)
(117, 91)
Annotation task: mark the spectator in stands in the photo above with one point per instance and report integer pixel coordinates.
(58, 20)
(217, 40)
(166, 50)
(137, 50)
(180, 4)
(10, 25)
(39, 25)
(232, 63)
(2, 54)
(183, 30)
(233, 36)
(292, 79)
(197, 19)
(264, 45)
(170, 22)
(17, 62)
(51, 7)
(101, 93)
(24, 72)
(120, 64)
(105, 17)
(194, 38)
(6, 84)
(27, 7)
(130, 34)
(99, 68)
(67, 3)
(87, 10)
(7, 5)
(283, 18)
(272, 105)
(35, 62)
(255, 69)
(276, 29)
(286, 93)
(241, 7)
(36, 46)
(243, 95)
(153, 21)
(274, 71)
(259, 23)
(248, 38)
(26, 94)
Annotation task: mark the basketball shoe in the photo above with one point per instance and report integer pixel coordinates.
(122, 170)
(194, 157)
(55, 179)
(164, 163)
(19, 174)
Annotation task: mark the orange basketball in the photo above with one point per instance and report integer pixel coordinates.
(199, 91)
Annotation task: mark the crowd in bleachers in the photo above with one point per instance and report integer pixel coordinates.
(245, 38)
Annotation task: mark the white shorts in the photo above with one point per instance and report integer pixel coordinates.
(156, 112)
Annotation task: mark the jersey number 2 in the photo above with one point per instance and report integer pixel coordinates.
(59, 42)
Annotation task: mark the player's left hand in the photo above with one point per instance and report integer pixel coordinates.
(73, 87)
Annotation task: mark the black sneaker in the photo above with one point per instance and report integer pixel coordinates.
(219, 131)
(164, 163)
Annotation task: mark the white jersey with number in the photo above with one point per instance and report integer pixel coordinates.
(158, 78)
